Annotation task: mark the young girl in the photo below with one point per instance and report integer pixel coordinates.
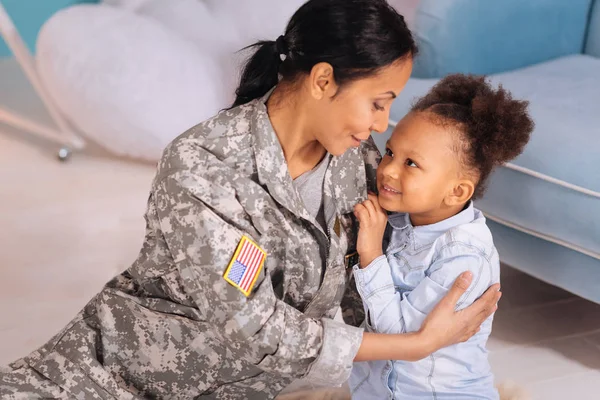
(436, 162)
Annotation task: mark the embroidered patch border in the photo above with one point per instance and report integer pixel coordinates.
(245, 266)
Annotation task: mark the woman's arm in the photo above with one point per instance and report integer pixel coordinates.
(258, 328)
(442, 327)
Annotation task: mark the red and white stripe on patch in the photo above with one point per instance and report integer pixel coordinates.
(245, 266)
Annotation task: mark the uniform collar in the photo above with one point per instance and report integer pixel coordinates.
(345, 180)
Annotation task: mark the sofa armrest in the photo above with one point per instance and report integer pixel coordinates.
(490, 36)
(592, 46)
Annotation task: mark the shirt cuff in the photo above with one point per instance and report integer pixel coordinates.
(374, 277)
(340, 346)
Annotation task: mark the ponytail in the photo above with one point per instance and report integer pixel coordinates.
(260, 74)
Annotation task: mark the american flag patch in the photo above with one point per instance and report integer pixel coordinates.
(245, 265)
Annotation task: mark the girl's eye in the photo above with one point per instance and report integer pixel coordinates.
(378, 107)
(388, 152)
(411, 163)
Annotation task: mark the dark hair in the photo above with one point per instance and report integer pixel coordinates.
(494, 128)
(357, 37)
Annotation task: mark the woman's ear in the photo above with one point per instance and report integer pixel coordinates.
(321, 80)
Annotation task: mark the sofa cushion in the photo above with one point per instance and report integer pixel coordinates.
(485, 37)
(565, 145)
(592, 46)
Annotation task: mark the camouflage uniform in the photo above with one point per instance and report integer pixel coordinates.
(171, 327)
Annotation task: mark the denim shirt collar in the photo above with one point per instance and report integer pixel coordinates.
(426, 234)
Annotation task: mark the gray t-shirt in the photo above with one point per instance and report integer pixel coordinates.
(310, 188)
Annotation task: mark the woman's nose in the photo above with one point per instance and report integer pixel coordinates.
(381, 122)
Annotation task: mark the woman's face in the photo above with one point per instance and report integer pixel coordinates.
(343, 119)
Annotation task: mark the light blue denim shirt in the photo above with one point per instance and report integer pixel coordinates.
(402, 287)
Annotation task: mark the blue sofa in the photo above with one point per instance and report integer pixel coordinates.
(544, 208)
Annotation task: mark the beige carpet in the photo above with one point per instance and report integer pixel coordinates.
(66, 229)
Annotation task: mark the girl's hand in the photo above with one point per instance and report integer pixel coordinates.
(372, 221)
(444, 326)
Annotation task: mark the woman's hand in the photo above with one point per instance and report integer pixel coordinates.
(372, 220)
(444, 326)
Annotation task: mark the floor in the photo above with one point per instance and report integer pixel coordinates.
(66, 228)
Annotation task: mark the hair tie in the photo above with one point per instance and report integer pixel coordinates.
(282, 47)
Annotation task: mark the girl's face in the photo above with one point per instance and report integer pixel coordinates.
(420, 171)
(342, 119)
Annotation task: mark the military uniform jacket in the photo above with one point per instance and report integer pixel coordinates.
(172, 327)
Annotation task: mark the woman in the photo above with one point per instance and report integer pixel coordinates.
(249, 234)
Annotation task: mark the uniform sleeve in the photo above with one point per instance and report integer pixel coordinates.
(202, 224)
(389, 311)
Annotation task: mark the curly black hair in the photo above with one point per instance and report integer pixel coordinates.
(493, 127)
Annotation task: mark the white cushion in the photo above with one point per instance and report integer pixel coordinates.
(220, 28)
(124, 80)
